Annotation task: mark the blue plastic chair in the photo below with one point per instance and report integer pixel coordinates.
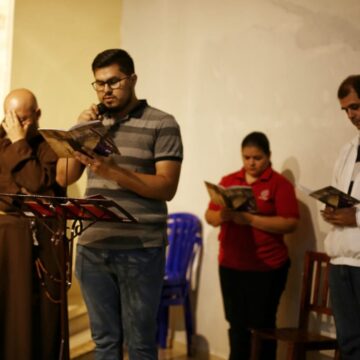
(185, 241)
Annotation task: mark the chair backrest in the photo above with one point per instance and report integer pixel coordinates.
(315, 287)
(185, 240)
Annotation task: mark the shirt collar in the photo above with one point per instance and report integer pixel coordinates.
(263, 177)
(136, 112)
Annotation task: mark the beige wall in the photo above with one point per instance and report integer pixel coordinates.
(54, 44)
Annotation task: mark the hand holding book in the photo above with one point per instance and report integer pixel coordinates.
(343, 217)
(240, 198)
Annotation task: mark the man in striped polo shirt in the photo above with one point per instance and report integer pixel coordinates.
(120, 267)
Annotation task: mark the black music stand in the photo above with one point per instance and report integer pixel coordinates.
(42, 208)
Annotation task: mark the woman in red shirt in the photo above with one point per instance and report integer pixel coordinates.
(253, 258)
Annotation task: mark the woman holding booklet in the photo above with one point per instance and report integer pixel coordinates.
(253, 258)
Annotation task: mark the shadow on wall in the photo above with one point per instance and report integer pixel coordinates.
(298, 243)
(302, 240)
(202, 343)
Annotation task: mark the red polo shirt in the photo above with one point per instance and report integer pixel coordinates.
(243, 247)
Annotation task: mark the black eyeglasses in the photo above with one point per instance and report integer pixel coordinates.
(113, 83)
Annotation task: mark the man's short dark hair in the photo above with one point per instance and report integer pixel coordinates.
(114, 56)
(350, 83)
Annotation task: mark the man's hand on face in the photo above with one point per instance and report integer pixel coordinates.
(14, 129)
(89, 114)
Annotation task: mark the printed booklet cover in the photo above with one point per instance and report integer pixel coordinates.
(90, 135)
(238, 197)
(331, 196)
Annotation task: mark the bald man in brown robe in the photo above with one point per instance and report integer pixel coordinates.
(29, 312)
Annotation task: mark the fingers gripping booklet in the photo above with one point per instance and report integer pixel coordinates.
(331, 196)
(91, 135)
(238, 197)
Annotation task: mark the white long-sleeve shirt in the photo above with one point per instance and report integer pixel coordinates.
(342, 244)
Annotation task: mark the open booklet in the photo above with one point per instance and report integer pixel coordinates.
(237, 197)
(91, 135)
(331, 196)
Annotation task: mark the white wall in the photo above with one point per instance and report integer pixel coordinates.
(228, 67)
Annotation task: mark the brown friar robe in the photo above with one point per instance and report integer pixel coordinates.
(29, 320)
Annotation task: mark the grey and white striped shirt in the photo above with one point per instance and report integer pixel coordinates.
(145, 136)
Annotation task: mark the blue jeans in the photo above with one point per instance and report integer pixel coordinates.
(122, 291)
(345, 301)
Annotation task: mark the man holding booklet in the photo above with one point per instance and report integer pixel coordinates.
(343, 241)
(121, 268)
